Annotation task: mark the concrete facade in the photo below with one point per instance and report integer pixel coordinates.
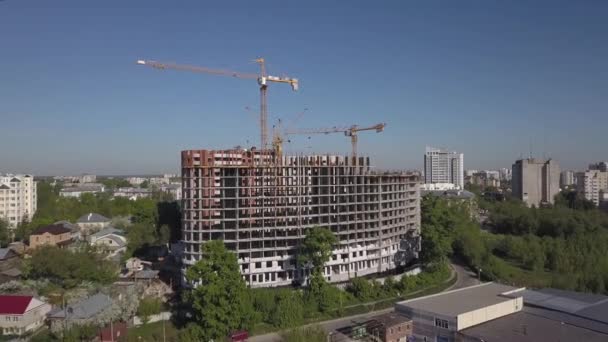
(262, 206)
(535, 181)
(566, 179)
(442, 166)
(591, 182)
(18, 198)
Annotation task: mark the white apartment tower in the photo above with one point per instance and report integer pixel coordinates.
(442, 166)
(18, 199)
(591, 182)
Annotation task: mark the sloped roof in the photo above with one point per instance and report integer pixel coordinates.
(6, 253)
(84, 309)
(92, 218)
(4, 187)
(14, 305)
(15, 179)
(107, 231)
(68, 225)
(54, 229)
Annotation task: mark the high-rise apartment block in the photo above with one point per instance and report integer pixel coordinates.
(18, 199)
(262, 207)
(535, 181)
(566, 179)
(591, 182)
(442, 166)
(505, 174)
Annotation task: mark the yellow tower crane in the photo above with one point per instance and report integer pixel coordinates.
(263, 79)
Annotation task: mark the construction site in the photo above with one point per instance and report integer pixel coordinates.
(262, 203)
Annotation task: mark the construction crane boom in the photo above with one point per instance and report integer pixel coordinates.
(351, 132)
(262, 78)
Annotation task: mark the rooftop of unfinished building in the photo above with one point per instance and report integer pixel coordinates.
(331, 157)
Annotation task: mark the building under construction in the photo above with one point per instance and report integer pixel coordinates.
(262, 204)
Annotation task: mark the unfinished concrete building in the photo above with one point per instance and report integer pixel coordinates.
(262, 205)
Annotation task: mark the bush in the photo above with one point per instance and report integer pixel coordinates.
(147, 307)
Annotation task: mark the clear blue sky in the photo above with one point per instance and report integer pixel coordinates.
(487, 78)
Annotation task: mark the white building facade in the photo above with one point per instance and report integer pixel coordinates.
(18, 198)
(442, 166)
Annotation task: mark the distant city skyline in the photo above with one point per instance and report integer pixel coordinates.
(492, 80)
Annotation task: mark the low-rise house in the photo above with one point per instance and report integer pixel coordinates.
(92, 222)
(97, 308)
(10, 265)
(6, 255)
(74, 229)
(110, 239)
(175, 190)
(53, 235)
(21, 314)
(388, 327)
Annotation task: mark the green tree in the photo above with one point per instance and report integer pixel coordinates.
(4, 233)
(289, 310)
(145, 184)
(149, 306)
(361, 288)
(316, 248)
(220, 299)
(164, 234)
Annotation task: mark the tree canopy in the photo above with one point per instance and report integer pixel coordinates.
(316, 248)
(220, 298)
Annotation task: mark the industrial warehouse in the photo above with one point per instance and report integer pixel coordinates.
(262, 204)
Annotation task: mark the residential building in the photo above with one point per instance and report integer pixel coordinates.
(388, 327)
(74, 229)
(54, 235)
(442, 166)
(601, 166)
(10, 265)
(566, 179)
(535, 181)
(78, 190)
(485, 179)
(136, 181)
(175, 190)
(437, 187)
(92, 222)
(505, 174)
(95, 309)
(262, 206)
(440, 317)
(86, 178)
(604, 200)
(591, 182)
(18, 198)
(21, 314)
(111, 239)
(469, 173)
(158, 180)
(133, 193)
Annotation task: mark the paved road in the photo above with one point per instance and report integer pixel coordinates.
(464, 278)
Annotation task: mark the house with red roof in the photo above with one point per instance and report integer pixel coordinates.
(21, 314)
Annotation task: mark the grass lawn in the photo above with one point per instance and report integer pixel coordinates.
(152, 332)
